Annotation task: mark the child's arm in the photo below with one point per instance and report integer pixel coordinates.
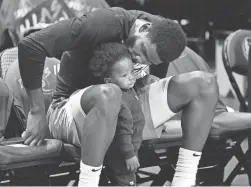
(124, 131)
(124, 135)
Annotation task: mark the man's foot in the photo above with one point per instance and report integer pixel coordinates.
(89, 175)
(186, 168)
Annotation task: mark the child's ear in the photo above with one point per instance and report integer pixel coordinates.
(107, 80)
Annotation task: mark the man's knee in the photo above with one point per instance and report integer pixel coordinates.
(109, 98)
(207, 86)
(110, 93)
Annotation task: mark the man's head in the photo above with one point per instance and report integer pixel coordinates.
(112, 63)
(154, 43)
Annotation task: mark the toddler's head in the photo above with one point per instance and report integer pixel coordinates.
(112, 63)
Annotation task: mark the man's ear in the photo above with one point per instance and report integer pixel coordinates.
(107, 80)
(145, 27)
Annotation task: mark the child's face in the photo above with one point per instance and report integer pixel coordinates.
(122, 74)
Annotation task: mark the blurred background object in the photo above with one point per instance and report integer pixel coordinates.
(16, 17)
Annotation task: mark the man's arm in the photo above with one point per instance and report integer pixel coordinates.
(147, 16)
(60, 37)
(49, 42)
(124, 132)
(37, 129)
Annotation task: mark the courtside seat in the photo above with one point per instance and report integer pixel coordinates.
(29, 165)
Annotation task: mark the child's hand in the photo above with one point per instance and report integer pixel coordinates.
(132, 164)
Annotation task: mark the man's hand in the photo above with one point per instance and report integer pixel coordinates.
(37, 129)
(149, 79)
(132, 164)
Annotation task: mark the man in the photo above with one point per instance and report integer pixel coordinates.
(89, 116)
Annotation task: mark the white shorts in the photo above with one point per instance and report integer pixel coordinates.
(153, 100)
(64, 116)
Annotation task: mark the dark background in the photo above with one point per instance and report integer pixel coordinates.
(206, 17)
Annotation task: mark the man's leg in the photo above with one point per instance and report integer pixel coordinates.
(101, 104)
(231, 122)
(223, 122)
(196, 94)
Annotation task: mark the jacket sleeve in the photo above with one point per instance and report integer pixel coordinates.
(124, 132)
(77, 32)
(147, 16)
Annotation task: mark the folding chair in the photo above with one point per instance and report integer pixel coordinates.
(235, 55)
(235, 59)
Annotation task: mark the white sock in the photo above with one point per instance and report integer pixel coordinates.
(89, 175)
(186, 168)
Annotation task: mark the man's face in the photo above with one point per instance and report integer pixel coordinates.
(142, 49)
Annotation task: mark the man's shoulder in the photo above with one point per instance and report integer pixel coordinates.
(122, 13)
(117, 9)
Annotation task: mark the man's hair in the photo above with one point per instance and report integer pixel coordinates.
(104, 57)
(169, 38)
